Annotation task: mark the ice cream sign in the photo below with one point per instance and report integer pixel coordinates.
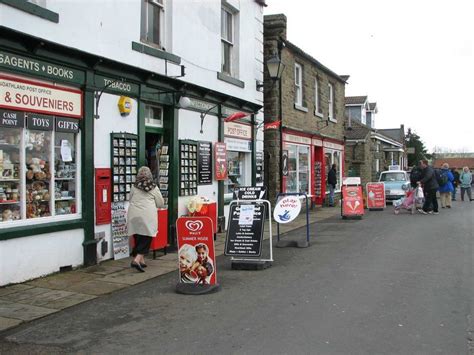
(287, 209)
(352, 201)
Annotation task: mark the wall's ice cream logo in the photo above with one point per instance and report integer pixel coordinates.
(194, 226)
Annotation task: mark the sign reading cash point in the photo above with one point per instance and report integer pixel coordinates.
(27, 95)
(287, 209)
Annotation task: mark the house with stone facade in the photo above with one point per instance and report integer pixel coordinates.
(308, 103)
(369, 151)
(360, 109)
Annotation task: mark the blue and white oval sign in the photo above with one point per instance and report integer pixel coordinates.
(287, 209)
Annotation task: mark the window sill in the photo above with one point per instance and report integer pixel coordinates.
(230, 80)
(319, 114)
(154, 52)
(332, 120)
(33, 9)
(301, 108)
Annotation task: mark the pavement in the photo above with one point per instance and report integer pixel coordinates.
(25, 302)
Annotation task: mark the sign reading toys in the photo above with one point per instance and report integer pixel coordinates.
(220, 158)
(375, 195)
(27, 95)
(196, 251)
(353, 204)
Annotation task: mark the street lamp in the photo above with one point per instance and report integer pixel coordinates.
(275, 69)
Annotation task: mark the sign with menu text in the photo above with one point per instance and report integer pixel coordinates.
(204, 163)
(220, 158)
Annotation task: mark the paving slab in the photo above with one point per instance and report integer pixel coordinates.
(62, 281)
(13, 289)
(102, 269)
(6, 323)
(20, 296)
(45, 297)
(21, 311)
(133, 277)
(69, 301)
(96, 287)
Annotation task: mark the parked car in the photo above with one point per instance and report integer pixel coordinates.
(396, 183)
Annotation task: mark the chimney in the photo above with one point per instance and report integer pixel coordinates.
(274, 26)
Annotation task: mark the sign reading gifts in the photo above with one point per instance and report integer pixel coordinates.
(375, 195)
(27, 95)
(353, 204)
(196, 251)
(220, 158)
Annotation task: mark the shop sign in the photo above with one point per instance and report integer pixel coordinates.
(237, 130)
(375, 195)
(41, 98)
(204, 163)
(296, 139)
(28, 65)
(238, 145)
(39, 122)
(68, 125)
(12, 118)
(220, 158)
(249, 192)
(347, 180)
(196, 251)
(317, 142)
(119, 86)
(284, 163)
(203, 106)
(245, 231)
(287, 209)
(333, 145)
(353, 204)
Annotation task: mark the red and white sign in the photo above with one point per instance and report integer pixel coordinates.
(375, 195)
(353, 203)
(220, 159)
(272, 125)
(238, 130)
(32, 96)
(197, 261)
(287, 209)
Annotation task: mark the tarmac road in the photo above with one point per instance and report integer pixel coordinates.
(386, 284)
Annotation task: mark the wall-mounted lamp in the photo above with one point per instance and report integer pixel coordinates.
(204, 114)
(182, 102)
(275, 69)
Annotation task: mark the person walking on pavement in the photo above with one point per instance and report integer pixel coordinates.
(430, 186)
(142, 219)
(466, 180)
(455, 182)
(332, 182)
(447, 189)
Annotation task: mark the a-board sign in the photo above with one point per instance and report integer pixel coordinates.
(353, 204)
(349, 180)
(249, 193)
(196, 251)
(204, 163)
(245, 231)
(375, 195)
(220, 161)
(287, 209)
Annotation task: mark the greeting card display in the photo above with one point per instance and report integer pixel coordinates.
(124, 164)
(188, 168)
(163, 176)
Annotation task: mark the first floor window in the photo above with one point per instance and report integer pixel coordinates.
(153, 22)
(227, 40)
(298, 85)
(298, 179)
(317, 97)
(331, 103)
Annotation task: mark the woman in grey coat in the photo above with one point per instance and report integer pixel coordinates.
(142, 219)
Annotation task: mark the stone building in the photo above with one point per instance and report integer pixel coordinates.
(308, 99)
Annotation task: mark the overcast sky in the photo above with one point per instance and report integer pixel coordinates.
(415, 58)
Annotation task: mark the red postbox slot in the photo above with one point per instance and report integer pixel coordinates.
(103, 195)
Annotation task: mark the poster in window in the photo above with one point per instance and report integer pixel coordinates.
(284, 163)
(220, 157)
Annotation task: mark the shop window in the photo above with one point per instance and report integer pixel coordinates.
(38, 171)
(153, 116)
(298, 179)
(153, 21)
(236, 171)
(334, 157)
(227, 40)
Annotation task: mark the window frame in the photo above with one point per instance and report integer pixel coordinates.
(298, 87)
(227, 40)
(297, 167)
(331, 108)
(144, 37)
(146, 110)
(317, 98)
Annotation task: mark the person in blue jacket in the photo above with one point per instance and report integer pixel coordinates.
(446, 190)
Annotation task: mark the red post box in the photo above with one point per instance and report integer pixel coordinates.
(103, 196)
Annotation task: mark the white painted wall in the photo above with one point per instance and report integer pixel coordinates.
(27, 258)
(189, 125)
(110, 121)
(193, 33)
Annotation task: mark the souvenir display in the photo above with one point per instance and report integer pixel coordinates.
(10, 198)
(64, 173)
(124, 164)
(317, 179)
(119, 231)
(163, 174)
(188, 168)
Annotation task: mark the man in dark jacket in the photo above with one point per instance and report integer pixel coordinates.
(332, 181)
(430, 186)
(455, 182)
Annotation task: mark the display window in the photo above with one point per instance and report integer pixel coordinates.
(39, 176)
(333, 157)
(298, 179)
(236, 171)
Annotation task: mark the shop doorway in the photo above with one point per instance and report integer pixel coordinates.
(153, 144)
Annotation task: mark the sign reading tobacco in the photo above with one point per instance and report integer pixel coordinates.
(37, 97)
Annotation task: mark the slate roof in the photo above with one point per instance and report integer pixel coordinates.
(345, 77)
(372, 106)
(302, 53)
(393, 133)
(357, 130)
(457, 163)
(355, 100)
